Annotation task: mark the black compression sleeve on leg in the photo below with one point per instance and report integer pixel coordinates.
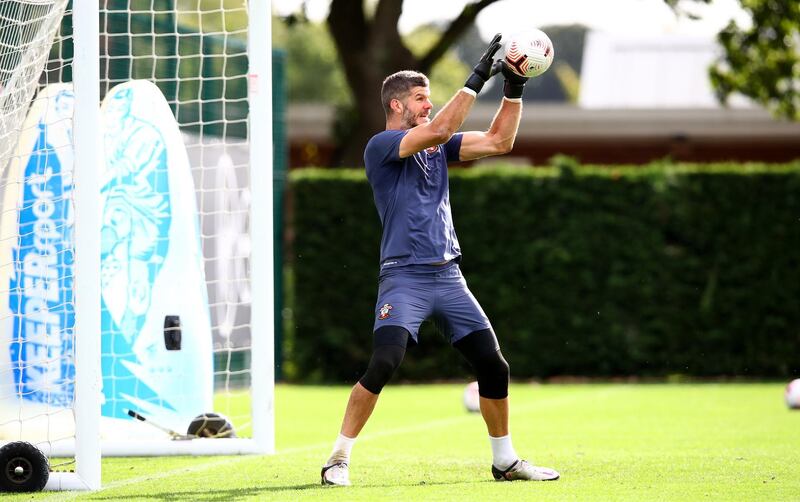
(482, 351)
(391, 335)
(389, 348)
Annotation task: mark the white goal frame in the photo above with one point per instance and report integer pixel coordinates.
(88, 447)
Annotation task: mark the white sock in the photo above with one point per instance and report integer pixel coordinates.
(341, 450)
(503, 454)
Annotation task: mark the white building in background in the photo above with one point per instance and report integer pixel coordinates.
(656, 71)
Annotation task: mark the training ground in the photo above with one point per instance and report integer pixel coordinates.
(683, 442)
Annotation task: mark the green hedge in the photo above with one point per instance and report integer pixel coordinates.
(598, 271)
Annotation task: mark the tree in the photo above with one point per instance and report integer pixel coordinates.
(312, 59)
(763, 62)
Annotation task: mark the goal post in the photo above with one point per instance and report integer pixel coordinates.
(262, 274)
(148, 130)
(87, 171)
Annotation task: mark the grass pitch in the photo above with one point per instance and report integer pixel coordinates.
(609, 441)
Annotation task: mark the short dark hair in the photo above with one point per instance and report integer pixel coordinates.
(398, 85)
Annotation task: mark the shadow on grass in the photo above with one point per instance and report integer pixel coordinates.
(208, 495)
(242, 493)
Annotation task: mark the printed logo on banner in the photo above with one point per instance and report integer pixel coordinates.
(40, 296)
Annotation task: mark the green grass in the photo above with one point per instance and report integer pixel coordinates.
(609, 441)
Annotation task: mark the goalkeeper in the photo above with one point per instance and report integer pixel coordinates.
(420, 276)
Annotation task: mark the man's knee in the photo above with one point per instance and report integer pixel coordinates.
(387, 354)
(493, 374)
(483, 353)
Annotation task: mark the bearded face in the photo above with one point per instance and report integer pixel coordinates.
(410, 118)
(416, 107)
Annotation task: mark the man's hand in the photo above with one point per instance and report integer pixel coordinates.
(514, 84)
(484, 69)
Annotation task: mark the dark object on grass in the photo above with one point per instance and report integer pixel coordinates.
(23, 468)
(211, 425)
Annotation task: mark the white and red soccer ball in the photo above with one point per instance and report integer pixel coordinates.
(529, 53)
(472, 400)
(792, 394)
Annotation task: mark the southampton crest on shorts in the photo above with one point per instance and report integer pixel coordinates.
(384, 311)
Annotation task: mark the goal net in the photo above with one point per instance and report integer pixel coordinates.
(175, 268)
(27, 29)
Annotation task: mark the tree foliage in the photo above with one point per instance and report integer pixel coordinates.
(763, 61)
(314, 73)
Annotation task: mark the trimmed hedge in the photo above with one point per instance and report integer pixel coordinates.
(598, 271)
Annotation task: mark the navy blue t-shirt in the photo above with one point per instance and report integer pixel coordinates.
(413, 200)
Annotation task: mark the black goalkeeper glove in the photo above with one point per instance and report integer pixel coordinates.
(514, 84)
(483, 70)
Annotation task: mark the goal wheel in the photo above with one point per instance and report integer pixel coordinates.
(23, 468)
(211, 425)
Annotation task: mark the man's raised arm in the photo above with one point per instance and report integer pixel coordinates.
(499, 139)
(452, 115)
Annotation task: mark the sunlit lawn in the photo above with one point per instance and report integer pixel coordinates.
(610, 442)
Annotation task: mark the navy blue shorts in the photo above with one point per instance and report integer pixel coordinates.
(408, 295)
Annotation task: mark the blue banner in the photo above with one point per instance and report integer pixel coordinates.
(41, 287)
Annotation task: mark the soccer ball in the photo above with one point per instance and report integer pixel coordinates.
(471, 398)
(529, 53)
(792, 394)
(211, 425)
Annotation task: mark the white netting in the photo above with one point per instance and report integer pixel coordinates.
(27, 28)
(36, 246)
(198, 60)
(33, 246)
(175, 193)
